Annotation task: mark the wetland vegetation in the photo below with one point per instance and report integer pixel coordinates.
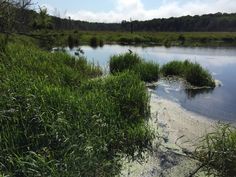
(59, 119)
(60, 116)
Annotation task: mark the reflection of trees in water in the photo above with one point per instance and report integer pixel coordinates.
(192, 93)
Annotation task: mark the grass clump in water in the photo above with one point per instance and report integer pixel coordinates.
(194, 73)
(217, 152)
(56, 121)
(147, 71)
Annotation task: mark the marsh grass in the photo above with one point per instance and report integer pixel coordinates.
(147, 71)
(122, 62)
(149, 38)
(217, 151)
(58, 119)
(194, 73)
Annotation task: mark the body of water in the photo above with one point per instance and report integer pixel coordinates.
(219, 103)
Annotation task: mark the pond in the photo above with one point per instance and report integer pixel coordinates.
(219, 103)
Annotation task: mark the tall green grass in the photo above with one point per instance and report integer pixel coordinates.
(194, 73)
(217, 152)
(147, 71)
(58, 120)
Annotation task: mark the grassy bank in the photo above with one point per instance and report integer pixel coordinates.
(58, 119)
(143, 38)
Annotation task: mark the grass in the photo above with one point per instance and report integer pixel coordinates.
(147, 71)
(122, 62)
(149, 38)
(194, 73)
(58, 119)
(218, 151)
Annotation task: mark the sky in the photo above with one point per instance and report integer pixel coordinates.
(118, 10)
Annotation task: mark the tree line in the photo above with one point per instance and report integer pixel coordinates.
(25, 20)
(211, 22)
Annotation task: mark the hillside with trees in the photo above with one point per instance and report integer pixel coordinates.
(212, 22)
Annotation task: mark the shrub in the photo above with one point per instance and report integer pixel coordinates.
(194, 73)
(72, 41)
(94, 42)
(217, 151)
(181, 39)
(101, 43)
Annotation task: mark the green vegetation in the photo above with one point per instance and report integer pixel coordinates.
(72, 41)
(58, 119)
(93, 42)
(122, 62)
(147, 71)
(146, 38)
(217, 152)
(192, 72)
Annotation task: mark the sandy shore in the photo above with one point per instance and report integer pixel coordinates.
(178, 133)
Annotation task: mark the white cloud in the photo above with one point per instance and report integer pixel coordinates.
(134, 9)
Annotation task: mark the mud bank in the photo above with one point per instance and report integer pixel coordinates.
(178, 132)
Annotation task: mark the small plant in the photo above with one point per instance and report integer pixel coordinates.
(217, 151)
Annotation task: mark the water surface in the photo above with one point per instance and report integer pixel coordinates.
(219, 104)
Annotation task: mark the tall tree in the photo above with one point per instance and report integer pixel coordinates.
(8, 11)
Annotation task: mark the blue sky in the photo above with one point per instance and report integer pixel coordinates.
(118, 10)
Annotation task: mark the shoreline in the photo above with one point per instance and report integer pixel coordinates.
(178, 132)
(180, 125)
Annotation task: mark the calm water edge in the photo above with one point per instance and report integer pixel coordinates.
(219, 104)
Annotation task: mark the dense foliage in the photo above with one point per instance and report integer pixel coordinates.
(209, 22)
(147, 71)
(217, 151)
(219, 22)
(56, 121)
(194, 73)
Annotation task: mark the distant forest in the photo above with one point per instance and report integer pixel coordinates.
(219, 22)
(211, 22)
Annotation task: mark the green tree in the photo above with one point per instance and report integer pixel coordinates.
(43, 20)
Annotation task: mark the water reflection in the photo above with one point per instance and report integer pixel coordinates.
(192, 93)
